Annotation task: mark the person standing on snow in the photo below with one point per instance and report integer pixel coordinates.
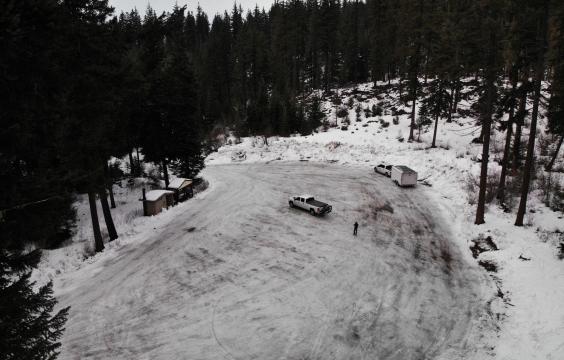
(355, 228)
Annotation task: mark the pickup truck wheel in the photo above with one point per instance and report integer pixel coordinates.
(312, 212)
(291, 204)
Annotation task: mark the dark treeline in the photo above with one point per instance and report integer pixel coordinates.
(80, 85)
(253, 70)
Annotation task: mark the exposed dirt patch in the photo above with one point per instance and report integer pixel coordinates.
(489, 265)
(482, 244)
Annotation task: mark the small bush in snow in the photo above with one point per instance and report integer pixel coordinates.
(557, 199)
(200, 184)
(342, 112)
(545, 184)
(377, 110)
(529, 219)
(333, 145)
(489, 265)
(384, 123)
(350, 103)
(396, 120)
(544, 143)
(88, 250)
(473, 185)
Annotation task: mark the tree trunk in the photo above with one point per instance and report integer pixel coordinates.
(486, 131)
(165, 173)
(414, 69)
(517, 146)
(131, 164)
(107, 215)
(450, 106)
(456, 96)
(109, 183)
(433, 144)
(98, 242)
(507, 148)
(520, 121)
(138, 162)
(505, 164)
(555, 155)
(111, 191)
(539, 72)
(412, 125)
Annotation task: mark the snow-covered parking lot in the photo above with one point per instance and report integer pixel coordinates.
(240, 275)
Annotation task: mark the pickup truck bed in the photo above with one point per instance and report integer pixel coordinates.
(316, 203)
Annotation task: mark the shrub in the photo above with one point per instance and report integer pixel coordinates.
(473, 186)
(377, 110)
(342, 112)
(557, 199)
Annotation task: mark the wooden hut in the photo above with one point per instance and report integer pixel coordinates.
(155, 201)
(182, 189)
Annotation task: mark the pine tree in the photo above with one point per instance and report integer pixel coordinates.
(437, 104)
(28, 327)
(541, 11)
(491, 15)
(556, 104)
(171, 134)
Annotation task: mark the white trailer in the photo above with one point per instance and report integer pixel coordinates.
(404, 176)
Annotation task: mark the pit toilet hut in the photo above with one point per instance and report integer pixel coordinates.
(155, 201)
(183, 189)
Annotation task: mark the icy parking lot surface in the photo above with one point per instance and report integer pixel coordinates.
(240, 275)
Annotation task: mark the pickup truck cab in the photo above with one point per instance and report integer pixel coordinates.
(383, 169)
(308, 203)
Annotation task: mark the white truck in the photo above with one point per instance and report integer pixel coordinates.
(404, 176)
(383, 169)
(308, 203)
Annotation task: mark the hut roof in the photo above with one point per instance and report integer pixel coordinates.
(155, 195)
(178, 183)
